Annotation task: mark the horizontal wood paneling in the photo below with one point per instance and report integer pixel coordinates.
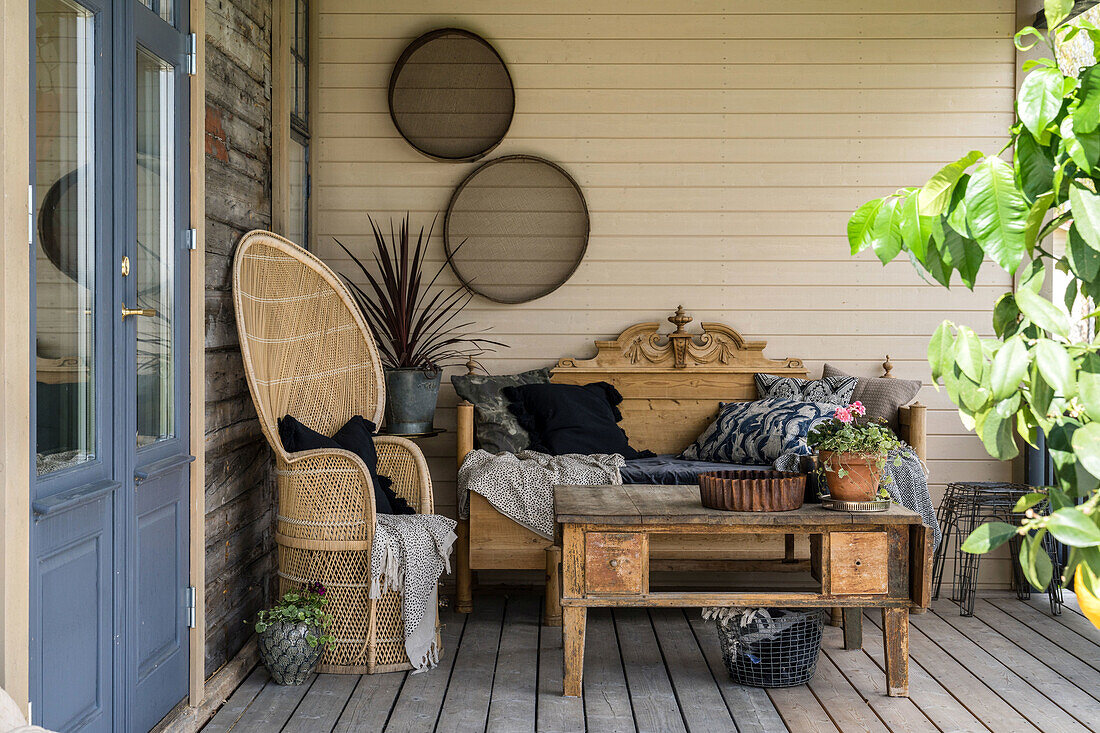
(721, 148)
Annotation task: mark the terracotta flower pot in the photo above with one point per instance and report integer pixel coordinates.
(861, 475)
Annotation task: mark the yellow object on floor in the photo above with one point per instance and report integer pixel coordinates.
(1090, 604)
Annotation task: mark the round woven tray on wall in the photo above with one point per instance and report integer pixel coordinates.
(451, 96)
(752, 491)
(516, 229)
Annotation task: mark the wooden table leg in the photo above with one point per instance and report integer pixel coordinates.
(853, 628)
(895, 643)
(552, 613)
(575, 618)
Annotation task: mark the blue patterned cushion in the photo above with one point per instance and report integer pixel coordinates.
(758, 432)
(836, 390)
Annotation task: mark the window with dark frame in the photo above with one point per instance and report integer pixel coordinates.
(298, 154)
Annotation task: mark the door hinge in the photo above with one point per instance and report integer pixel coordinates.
(192, 56)
(191, 595)
(192, 239)
(30, 214)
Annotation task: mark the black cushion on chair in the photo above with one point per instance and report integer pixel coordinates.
(357, 435)
(298, 437)
(570, 418)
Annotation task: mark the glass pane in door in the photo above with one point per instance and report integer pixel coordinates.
(154, 261)
(65, 249)
(162, 8)
(296, 226)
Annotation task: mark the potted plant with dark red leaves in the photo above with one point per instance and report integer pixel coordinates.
(413, 320)
(852, 453)
(293, 634)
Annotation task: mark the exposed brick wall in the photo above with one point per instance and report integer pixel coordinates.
(240, 547)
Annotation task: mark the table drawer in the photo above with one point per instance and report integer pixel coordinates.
(858, 563)
(614, 562)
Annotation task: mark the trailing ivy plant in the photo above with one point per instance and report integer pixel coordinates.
(307, 606)
(1036, 375)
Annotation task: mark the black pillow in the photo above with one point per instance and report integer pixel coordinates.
(570, 418)
(357, 435)
(297, 437)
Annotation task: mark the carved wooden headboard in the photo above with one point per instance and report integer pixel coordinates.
(672, 382)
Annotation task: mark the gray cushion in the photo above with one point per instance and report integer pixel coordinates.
(496, 427)
(881, 396)
(833, 390)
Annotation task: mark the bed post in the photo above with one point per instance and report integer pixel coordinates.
(464, 601)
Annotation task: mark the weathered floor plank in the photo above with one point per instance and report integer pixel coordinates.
(929, 696)
(1073, 621)
(370, 703)
(273, 707)
(1011, 667)
(700, 701)
(556, 713)
(750, 707)
(466, 705)
(843, 702)
(322, 705)
(512, 707)
(606, 698)
(1063, 692)
(984, 703)
(651, 696)
(1058, 659)
(239, 702)
(998, 675)
(900, 714)
(417, 706)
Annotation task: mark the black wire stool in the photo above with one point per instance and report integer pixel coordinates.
(964, 508)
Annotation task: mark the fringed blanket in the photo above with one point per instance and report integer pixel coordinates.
(521, 485)
(409, 554)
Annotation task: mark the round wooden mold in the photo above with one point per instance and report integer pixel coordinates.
(752, 491)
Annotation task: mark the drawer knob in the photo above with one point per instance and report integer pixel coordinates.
(858, 563)
(613, 563)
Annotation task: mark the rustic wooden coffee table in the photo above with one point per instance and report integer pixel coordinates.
(856, 561)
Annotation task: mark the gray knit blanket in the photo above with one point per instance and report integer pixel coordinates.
(521, 485)
(908, 484)
(409, 554)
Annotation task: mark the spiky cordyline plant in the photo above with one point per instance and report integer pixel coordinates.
(413, 325)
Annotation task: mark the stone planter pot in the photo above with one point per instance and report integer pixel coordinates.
(286, 653)
(411, 395)
(862, 475)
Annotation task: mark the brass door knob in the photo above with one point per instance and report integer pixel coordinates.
(147, 312)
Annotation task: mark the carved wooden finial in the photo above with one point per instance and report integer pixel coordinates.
(680, 319)
(887, 367)
(471, 366)
(679, 338)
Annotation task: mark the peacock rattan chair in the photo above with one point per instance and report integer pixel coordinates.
(308, 353)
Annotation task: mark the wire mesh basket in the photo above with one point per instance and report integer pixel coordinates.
(773, 647)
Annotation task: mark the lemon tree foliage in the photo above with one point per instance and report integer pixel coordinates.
(1035, 375)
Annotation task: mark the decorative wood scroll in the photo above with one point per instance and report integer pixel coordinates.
(717, 348)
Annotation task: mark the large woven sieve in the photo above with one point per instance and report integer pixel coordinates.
(516, 229)
(451, 96)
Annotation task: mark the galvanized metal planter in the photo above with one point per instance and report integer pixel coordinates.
(411, 395)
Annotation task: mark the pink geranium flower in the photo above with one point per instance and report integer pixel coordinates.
(843, 415)
(858, 408)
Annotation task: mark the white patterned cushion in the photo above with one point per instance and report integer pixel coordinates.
(834, 390)
(758, 432)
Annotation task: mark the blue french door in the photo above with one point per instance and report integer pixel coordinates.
(109, 485)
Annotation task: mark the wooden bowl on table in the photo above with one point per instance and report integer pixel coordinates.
(752, 491)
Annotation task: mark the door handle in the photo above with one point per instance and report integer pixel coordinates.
(147, 312)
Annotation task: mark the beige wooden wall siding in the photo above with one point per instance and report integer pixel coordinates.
(721, 147)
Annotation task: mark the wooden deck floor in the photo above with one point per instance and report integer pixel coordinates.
(661, 670)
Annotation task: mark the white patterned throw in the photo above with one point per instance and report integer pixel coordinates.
(409, 554)
(521, 485)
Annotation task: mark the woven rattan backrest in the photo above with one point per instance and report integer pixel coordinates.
(307, 350)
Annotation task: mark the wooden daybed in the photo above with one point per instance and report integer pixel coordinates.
(671, 386)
